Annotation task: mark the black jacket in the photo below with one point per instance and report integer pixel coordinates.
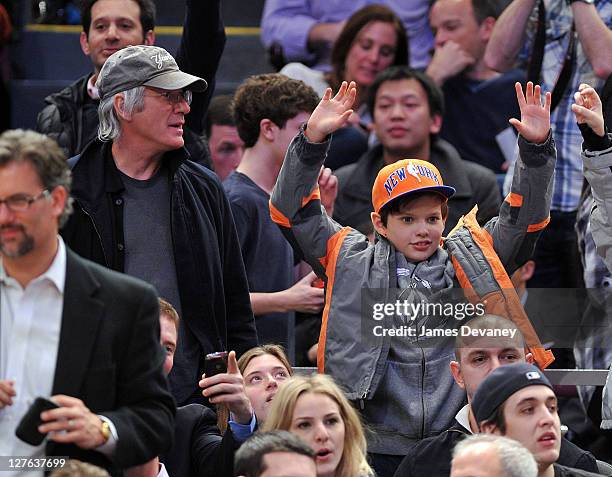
(475, 184)
(68, 117)
(199, 450)
(109, 357)
(432, 456)
(210, 274)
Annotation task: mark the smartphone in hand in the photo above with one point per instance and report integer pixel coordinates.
(27, 430)
(215, 363)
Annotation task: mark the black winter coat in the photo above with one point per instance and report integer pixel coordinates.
(210, 273)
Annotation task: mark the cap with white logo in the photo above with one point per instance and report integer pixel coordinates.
(144, 65)
(405, 177)
(502, 383)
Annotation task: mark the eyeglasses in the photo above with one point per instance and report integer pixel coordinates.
(22, 202)
(174, 97)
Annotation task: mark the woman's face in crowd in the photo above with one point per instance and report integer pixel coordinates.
(262, 377)
(318, 422)
(372, 51)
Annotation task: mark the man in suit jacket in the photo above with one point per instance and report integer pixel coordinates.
(71, 330)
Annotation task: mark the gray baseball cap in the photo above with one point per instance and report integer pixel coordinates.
(144, 65)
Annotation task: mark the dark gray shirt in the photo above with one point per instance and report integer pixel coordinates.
(148, 237)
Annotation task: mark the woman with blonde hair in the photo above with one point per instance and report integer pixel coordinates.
(316, 409)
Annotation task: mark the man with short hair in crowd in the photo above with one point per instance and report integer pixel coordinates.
(275, 454)
(476, 356)
(478, 100)
(198, 444)
(488, 455)
(407, 110)
(269, 111)
(143, 208)
(518, 401)
(71, 331)
(226, 147)
(71, 115)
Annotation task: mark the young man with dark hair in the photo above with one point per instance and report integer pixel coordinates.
(70, 116)
(198, 443)
(407, 108)
(275, 454)
(478, 100)
(518, 401)
(226, 147)
(475, 358)
(269, 110)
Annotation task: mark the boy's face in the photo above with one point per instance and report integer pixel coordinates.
(416, 230)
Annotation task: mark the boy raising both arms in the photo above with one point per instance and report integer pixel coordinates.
(402, 384)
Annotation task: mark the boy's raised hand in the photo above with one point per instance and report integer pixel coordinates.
(588, 109)
(331, 113)
(535, 117)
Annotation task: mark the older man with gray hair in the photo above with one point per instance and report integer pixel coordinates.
(143, 208)
(484, 455)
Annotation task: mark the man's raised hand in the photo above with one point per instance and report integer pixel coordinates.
(331, 113)
(535, 116)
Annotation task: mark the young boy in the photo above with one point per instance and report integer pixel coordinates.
(402, 383)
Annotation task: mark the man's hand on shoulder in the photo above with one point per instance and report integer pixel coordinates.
(72, 423)
(534, 125)
(331, 113)
(7, 393)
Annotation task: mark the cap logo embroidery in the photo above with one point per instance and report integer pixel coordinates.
(159, 59)
(531, 375)
(416, 171)
(412, 170)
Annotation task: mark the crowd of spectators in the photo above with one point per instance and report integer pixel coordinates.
(167, 256)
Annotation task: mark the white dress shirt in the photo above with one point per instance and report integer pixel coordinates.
(30, 321)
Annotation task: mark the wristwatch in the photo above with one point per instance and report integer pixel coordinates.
(105, 430)
(588, 2)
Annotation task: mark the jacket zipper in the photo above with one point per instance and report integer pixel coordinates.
(364, 395)
(422, 393)
(362, 399)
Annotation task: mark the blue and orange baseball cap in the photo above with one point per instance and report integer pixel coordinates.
(406, 177)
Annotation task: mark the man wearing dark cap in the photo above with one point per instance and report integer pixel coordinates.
(143, 208)
(476, 357)
(517, 401)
